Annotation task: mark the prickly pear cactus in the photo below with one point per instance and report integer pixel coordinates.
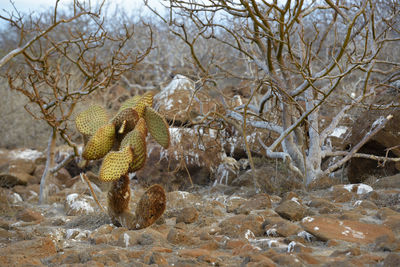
(126, 132)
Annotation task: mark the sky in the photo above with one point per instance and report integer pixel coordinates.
(28, 6)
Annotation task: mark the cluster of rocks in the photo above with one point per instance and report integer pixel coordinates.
(221, 225)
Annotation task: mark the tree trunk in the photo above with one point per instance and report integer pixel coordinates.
(49, 164)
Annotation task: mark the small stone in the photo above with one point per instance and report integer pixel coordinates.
(27, 252)
(178, 236)
(157, 258)
(384, 212)
(258, 202)
(291, 210)
(28, 215)
(388, 182)
(181, 199)
(393, 222)
(323, 205)
(76, 204)
(187, 215)
(21, 166)
(287, 260)
(10, 180)
(321, 183)
(280, 227)
(365, 204)
(236, 226)
(392, 260)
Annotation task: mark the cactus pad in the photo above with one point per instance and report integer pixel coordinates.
(150, 207)
(125, 120)
(157, 126)
(90, 120)
(137, 142)
(100, 143)
(115, 164)
(145, 101)
(141, 126)
(130, 103)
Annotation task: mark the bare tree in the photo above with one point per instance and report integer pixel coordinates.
(301, 58)
(61, 58)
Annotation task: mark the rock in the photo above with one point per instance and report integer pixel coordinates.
(143, 237)
(28, 215)
(258, 202)
(323, 182)
(30, 179)
(392, 260)
(27, 252)
(158, 259)
(393, 222)
(64, 177)
(78, 204)
(181, 199)
(384, 212)
(291, 210)
(173, 101)
(179, 237)
(287, 260)
(170, 167)
(276, 226)
(365, 204)
(324, 206)
(350, 231)
(237, 225)
(9, 180)
(21, 166)
(29, 192)
(187, 215)
(388, 182)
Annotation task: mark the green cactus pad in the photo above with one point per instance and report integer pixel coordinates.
(157, 126)
(90, 120)
(130, 103)
(115, 164)
(126, 118)
(100, 143)
(145, 101)
(137, 142)
(141, 126)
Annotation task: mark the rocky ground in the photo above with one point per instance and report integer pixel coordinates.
(220, 225)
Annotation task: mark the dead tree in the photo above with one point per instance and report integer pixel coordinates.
(309, 55)
(62, 57)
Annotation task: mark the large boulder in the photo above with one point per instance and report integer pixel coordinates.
(386, 141)
(181, 103)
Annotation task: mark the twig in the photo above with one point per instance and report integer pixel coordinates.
(84, 177)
